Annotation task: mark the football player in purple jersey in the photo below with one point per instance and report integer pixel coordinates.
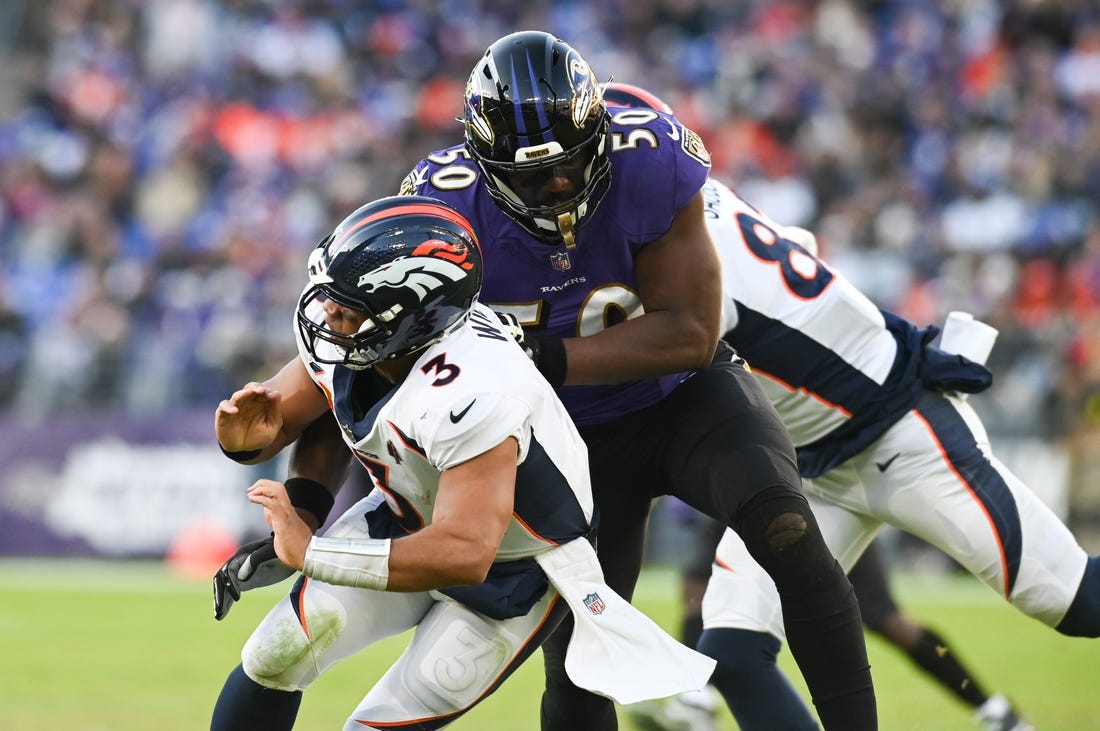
(595, 244)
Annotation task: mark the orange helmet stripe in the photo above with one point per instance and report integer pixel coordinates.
(414, 208)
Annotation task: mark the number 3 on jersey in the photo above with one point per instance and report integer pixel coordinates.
(804, 275)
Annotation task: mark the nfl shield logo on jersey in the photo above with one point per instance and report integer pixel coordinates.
(561, 261)
(594, 603)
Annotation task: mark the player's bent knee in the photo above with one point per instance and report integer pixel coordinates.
(282, 653)
(779, 530)
(786, 530)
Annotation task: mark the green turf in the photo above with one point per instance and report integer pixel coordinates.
(129, 647)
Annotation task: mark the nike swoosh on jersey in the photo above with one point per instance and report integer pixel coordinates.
(882, 466)
(455, 418)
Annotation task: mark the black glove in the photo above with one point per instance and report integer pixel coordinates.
(252, 566)
(548, 354)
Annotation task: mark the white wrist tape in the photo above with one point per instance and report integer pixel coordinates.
(963, 335)
(358, 562)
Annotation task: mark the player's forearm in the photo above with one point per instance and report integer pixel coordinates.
(419, 562)
(320, 454)
(432, 563)
(652, 345)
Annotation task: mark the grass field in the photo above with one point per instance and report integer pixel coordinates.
(130, 647)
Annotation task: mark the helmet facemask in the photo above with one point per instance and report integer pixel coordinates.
(356, 351)
(515, 187)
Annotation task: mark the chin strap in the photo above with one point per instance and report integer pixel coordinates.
(565, 227)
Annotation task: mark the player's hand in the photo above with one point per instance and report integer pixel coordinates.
(249, 419)
(292, 534)
(513, 328)
(252, 566)
(548, 354)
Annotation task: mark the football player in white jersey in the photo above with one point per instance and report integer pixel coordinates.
(477, 531)
(882, 427)
(883, 433)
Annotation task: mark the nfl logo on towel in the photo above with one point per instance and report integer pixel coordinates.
(594, 603)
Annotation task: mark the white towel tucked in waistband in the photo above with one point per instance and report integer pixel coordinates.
(616, 651)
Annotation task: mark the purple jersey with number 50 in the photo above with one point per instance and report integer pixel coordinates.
(657, 166)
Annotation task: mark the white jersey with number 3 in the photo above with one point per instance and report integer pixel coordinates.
(464, 396)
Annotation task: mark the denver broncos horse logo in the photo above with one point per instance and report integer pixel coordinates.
(432, 265)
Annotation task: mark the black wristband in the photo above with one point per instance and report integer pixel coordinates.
(310, 495)
(242, 456)
(549, 357)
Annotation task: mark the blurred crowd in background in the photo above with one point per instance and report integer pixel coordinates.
(166, 166)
